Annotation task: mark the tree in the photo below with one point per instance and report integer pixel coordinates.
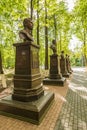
(53, 16)
(80, 24)
(11, 17)
(38, 22)
(46, 37)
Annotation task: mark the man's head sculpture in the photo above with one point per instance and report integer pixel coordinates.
(62, 54)
(25, 34)
(53, 46)
(27, 23)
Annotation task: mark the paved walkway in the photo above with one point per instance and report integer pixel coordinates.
(68, 111)
(73, 115)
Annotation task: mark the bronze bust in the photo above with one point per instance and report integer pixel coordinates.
(53, 46)
(62, 55)
(25, 34)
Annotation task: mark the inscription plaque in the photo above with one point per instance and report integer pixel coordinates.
(35, 59)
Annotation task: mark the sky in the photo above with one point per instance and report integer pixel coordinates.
(74, 42)
(70, 4)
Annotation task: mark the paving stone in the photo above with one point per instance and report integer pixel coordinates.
(76, 105)
(71, 116)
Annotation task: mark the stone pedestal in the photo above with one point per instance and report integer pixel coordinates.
(55, 77)
(27, 78)
(63, 68)
(68, 65)
(29, 101)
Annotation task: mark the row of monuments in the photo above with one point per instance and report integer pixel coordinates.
(60, 68)
(29, 101)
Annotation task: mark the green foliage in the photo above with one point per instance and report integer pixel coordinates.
(11, 14)
(80, 19)
(61, 24)
(80, 23)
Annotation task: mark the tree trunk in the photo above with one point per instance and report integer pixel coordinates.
(60, 42)
(31, 9)
(38, 22)
(84, 43)
(46, 38)
(55, 30)
(1, 70)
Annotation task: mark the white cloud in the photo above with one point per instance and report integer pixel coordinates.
(74, 42)
(70, 4)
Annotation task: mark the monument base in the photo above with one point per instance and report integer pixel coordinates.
(28, 111)
(66, 75)
(60, 82)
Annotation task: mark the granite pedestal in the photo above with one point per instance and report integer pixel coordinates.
(63, 68)
(29, 101)
(55, 77)
(32, 112)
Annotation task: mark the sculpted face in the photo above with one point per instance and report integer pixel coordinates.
(54, 42)
(28, 23)
(26, 34)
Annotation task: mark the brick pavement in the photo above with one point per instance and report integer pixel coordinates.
(48, 123)
(66, 113)
(73, 115)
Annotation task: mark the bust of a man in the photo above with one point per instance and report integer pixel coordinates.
(62, 55)
(25, 34)
(53, 46)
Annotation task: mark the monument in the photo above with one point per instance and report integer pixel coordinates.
(55, 77)
(68, 65)
(28, 101)
(63, 68)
